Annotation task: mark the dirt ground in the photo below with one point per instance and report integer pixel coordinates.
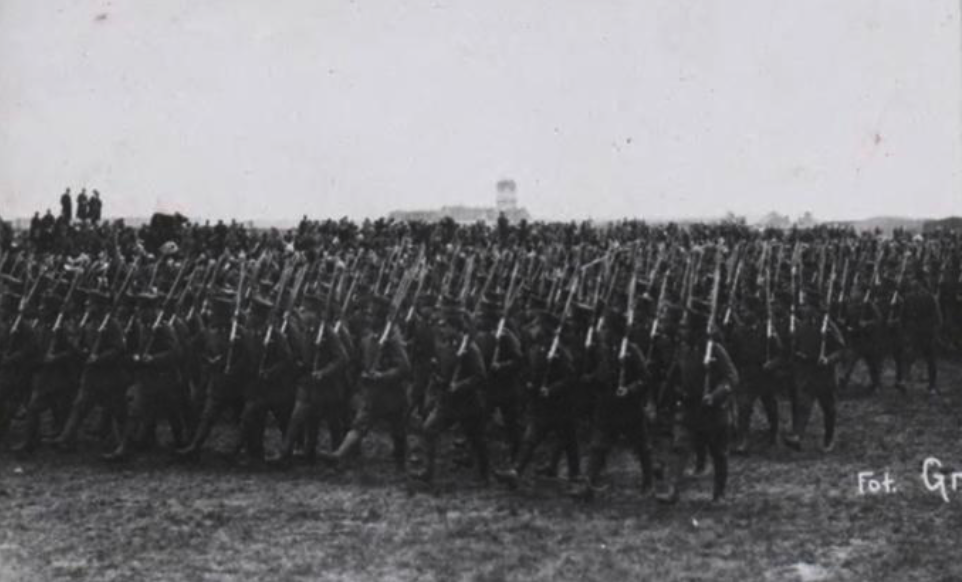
(790, 516)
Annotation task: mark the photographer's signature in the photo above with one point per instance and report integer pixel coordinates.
(935, 478)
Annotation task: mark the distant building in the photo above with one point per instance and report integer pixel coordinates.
(506, 202)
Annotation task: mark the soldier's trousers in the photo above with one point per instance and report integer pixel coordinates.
(814, 383)
(310, 408)
(146, 404)
(221, 394)
(614, 420)
(541, 426)
(14, 390)
(688, 438)
(97, 388)
(465, 410)
(52, 390)
(509, 407)
(254, 422)
(750, 390)
(379, 403)
(907, 347)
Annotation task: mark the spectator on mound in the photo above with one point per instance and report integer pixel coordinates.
(95, 208)
(66, 206)
(82, 211)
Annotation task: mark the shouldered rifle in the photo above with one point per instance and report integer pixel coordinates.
(272, 318)
(235, 319)
(629, 323)
(556, 340)
(102, 329)
(893, 304)
(292, 300)
(710, 326)
(826, 316)
(148, 346)
(25, 301)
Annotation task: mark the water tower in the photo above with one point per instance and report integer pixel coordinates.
(507, 197)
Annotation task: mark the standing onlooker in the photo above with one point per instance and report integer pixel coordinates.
(66, 206)
(82, 212)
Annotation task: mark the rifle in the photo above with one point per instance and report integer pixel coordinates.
(630, 321)
(662, 293)
(235, 319)
(825, 318)
(98, 341)
(160, 313)
(710, 326)
(269, 332)
(556, 341)
(406, 279)
(508, 300)
(895, 294)
(295, 290)
(25, 301)
(732, 291)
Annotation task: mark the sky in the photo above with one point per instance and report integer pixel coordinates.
(600, 109)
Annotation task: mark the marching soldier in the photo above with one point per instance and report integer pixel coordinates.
(818, 348)
(105, 376)
(623, 393)
(321, 390)
(456, 386)
(382, 395)
(550, 405)
(702, 418)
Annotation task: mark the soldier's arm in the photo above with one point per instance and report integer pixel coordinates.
(511, 357)
(474, 368)
(563, 371)
(339, 357)
(169, 350)
(284, 357)
(400, 363)
(729, 376)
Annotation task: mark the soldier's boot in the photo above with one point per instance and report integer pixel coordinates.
(510, 478)
(701, 461)
(744, 424)
(829, 414)
(720, 478)
(349, 446)
(399, 445)
(549, 470)
(31, 428)
(67, 440)
(480, 448)
(429, 445)
(647, 469)
(771, 413)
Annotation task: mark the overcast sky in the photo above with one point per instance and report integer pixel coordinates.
(602, 108)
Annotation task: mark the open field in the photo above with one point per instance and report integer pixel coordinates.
(790, 516)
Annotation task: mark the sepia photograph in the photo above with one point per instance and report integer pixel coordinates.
(440, 290)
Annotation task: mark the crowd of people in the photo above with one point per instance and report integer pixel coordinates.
(571, 338)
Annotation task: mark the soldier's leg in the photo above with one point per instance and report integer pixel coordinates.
(602, 439)
(717, 444)
(510, 410)
(899, 354)
(640, 438)
(296, 428)
(828, 403)
(437, 421)
(683, 443)
(928, 348)
(79, 410)
(771, 413)
(568, 431)
(213, 406)
(473, 427)
(252, 427)
(40, 400)
(533, 435)
(359, 429)
(802, 407)
(399, 439)
(138, 416)
(748, 393)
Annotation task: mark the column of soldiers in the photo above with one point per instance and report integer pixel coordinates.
(664, 342)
